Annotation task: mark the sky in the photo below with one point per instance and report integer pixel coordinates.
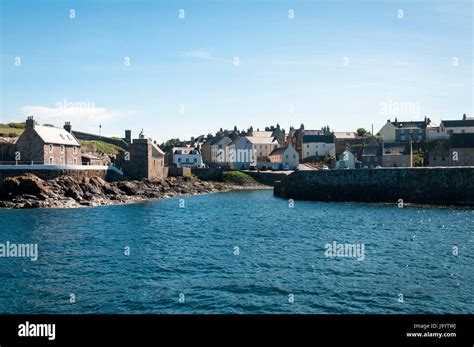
(178, 69)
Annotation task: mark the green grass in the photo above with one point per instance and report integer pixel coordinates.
(101, 147)
(8, 130)
(237, 177)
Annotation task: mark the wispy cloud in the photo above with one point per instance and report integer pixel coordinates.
(206, 55)
(82, 115)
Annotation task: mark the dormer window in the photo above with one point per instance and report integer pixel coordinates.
(62, 136)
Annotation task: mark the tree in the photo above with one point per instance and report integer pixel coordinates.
(362, 132)
(172, 142)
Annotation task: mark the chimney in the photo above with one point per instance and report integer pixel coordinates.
(128, 136)
(67, 127)
(30, 123)
(464, 117)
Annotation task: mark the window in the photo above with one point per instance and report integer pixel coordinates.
(74, 150)
(51, 149)
(286, 156)
(74, 161)
(51, 160)
(195, 160)
(307, 146)
(402, 137)
(307, 153)
(62, 148)
(294, 156)
(324, 145)
(62, 161)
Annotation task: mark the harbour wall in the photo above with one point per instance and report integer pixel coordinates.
(437, 185)
(47, 172)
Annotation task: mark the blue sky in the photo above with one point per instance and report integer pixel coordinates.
(336, 63)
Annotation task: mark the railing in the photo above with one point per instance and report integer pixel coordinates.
(22, 165)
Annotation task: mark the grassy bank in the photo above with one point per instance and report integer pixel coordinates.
(237, 177)
(101, 147)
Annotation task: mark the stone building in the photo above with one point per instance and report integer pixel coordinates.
(295, 137)
(144, 159)
(401, 131)
(457, 151)
(47, 145)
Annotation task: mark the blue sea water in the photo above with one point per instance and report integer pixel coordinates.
(239, 252)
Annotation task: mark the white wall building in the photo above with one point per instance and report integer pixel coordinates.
(347, 160)
(187, 157)
(284, 156)
(318, 146)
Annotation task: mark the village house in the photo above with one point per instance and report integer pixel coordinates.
(206, 150)
(372, 154)
(240, 154)
(247, 151)
(347, 160)
(47, 145)
(144, 159)
(284, 157)
(400, 131)
(219, 150)
(458, 150)
(450, 127)
(318, 146)
(186, 157)
(295, 137)
(344, 136)
(397, 155)
(262, 147)
(90, 159)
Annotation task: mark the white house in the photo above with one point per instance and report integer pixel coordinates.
(347, 160)
(284, 156)
(318, 146)
(187, 156)
(240, 154)
(246, 151)
(463, 126)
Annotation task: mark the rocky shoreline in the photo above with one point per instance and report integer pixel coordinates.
(30, 191)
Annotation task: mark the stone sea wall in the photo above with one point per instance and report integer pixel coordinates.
(442, 185)
(48, 172)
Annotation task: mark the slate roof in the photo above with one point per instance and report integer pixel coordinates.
(458, 123)
(279, 151)
(410, 124)
(318, 138)
(54, 135)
